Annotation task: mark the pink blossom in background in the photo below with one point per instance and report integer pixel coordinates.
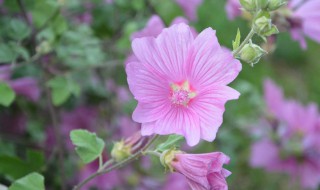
(203, 171)
(80, 118)
(305, 21)
(180, 83)
(233, 9)
(291, 145)
(25, 86)
(107, 181)
(108, 1)
(190, 8)
(153, 28)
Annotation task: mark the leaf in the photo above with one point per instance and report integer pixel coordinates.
(7, 53)
(7, 94)
(88, 146)
(18, 29)
(171, 141)
(14, 167)
(236, 42)
(62, 89)
(33, 181)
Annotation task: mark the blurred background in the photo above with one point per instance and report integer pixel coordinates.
(62, 68)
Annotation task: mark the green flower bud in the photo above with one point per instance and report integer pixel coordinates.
(275, 4)
(263, 25)
(44, 47)
(251, 53)
(167, 157)
(120, 151)
(254, 5)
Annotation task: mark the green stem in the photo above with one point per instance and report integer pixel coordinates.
(105, 165)
(244, 42)
(154, 153)
(118, 165)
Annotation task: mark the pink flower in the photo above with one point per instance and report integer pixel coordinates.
(24, 86)
(233, 8)
(305, 21)
(190, 8)
(291, 144)
(202, 171)
(153, 28)
(180, 83)
(176, 181)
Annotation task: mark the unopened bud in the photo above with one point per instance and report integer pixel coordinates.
(120, 151)
(275, 4)
(44, 47)
(251, 53)
(123, 149)
(263, 25)
(167, 157)
(254, 5)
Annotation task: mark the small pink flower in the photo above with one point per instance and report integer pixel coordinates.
(291, 145)
(180, 83)
(202, 171)
(233, 8)
(190, 8)
(305, 20)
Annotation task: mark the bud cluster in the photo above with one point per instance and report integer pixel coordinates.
(267, 5)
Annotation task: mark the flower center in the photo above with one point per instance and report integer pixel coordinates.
(181, 94)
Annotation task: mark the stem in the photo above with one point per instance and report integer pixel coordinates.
(154, 153)
(100, 161)
(24, 12)
(118, 165)
(244, 42)
(105, 165)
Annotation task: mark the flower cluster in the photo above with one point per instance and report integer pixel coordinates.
(290, 138)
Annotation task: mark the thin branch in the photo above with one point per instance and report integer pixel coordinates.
(57, 133)
(24, 12)
(118, 165)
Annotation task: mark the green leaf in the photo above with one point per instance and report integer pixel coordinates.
(7, 53)
(33, 181)
(7, 94)
(14, 167)
(171, 141)
(62, 89)
(236, 42)
(88, 146)
(18, 29)
(43, 11)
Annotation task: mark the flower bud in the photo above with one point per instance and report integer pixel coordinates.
(254, 5)
(167, 157)
(44, 47)
(123, 149)
(251, 53)
(120, 151)
(263, 25)
(275, 4)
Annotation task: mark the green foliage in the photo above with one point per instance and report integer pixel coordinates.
(42, 11)
(14, 167)
(18, 30)
(173, 140)
(32, 181)
(62, 88)
(79, 48)
(7, 53)
(7, 94)
(88, 146)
